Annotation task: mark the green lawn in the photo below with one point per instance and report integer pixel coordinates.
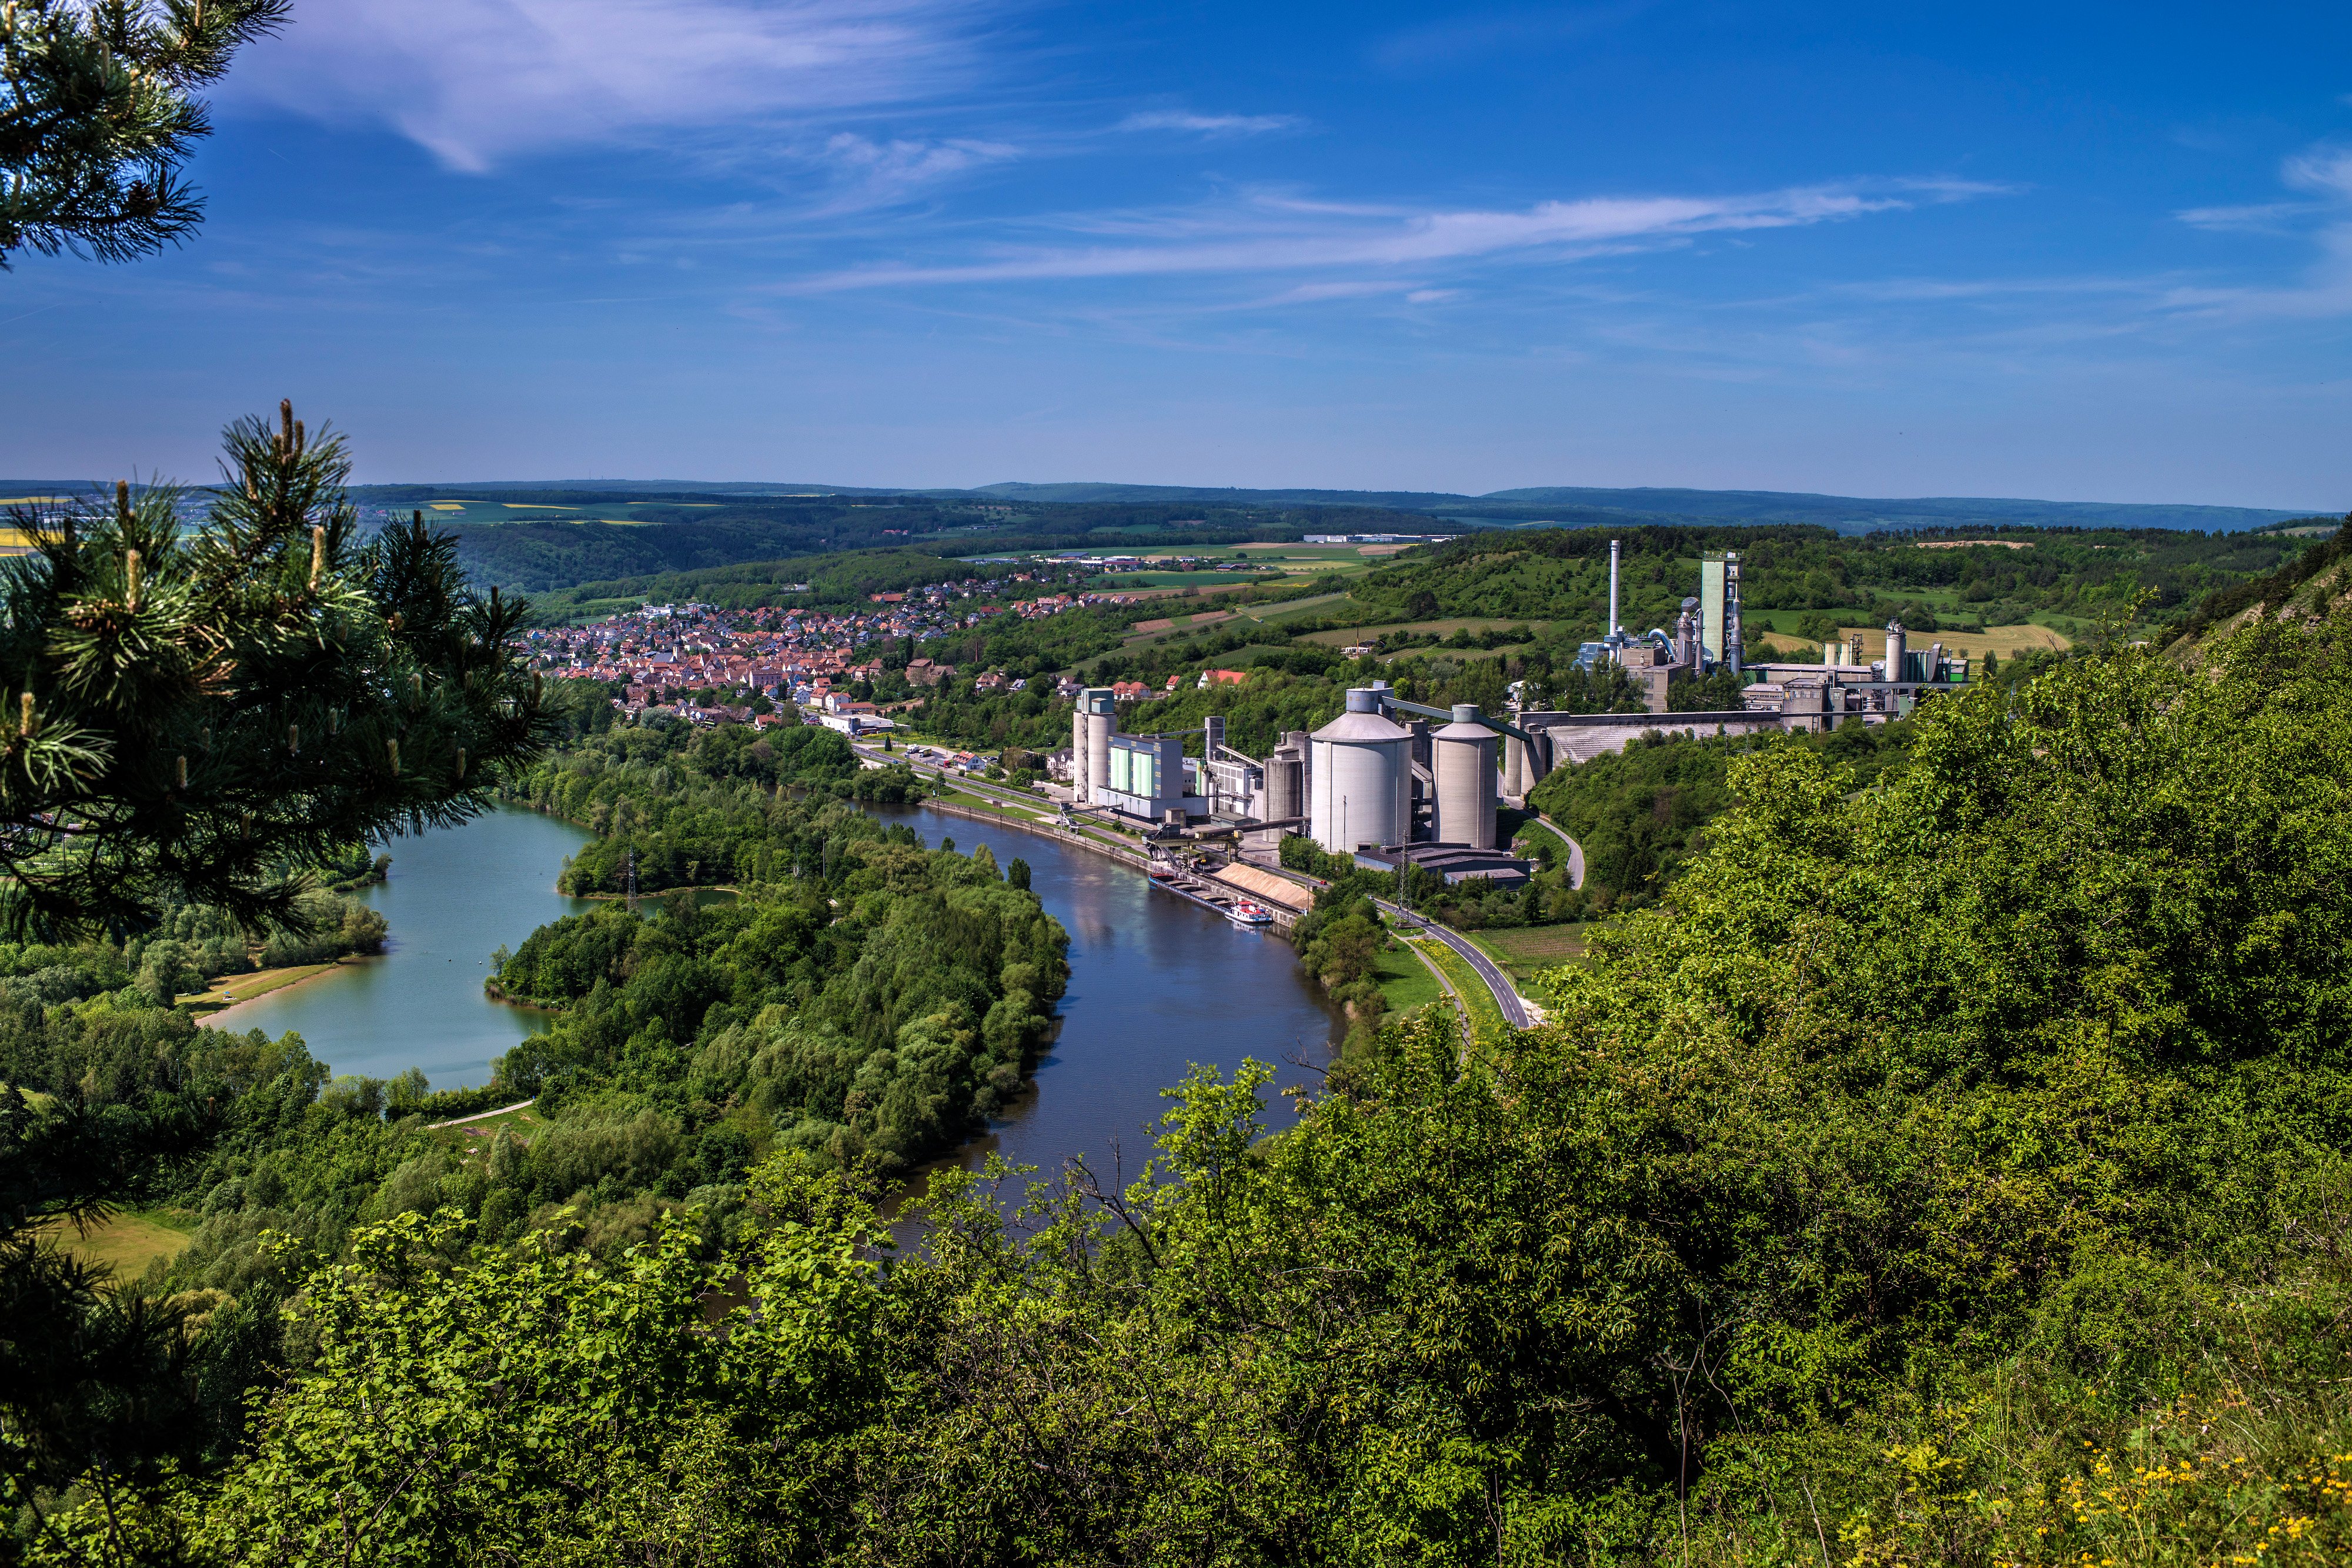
(1405, 981)
(477, 1133)
(1486, 1022)
(129, 1241)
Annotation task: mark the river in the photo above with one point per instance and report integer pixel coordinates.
(1156, 983)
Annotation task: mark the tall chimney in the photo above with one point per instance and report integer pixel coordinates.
(1612, 588)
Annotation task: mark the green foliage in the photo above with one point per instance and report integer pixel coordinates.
(200, 715)
(698, 808)
(1955, 1174)
(100, 119)
(1642, 814)
(564, 1409)
(891, 1027)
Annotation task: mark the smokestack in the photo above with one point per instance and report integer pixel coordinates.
(1612, 588)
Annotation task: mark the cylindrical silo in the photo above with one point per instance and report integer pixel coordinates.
(1516, 782)
(1361, 779)
(1285, 783)
(1895, 671)
(1465, 780)
(1099, 705)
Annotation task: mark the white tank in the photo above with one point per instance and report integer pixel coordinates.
(1465, 780)
(1099, 711)
(1360, 778)
(1894, 648)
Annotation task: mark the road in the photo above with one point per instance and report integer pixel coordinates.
(1575, 850)
(1507, 995)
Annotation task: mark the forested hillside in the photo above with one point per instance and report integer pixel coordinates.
(1956, 1175)
(542, 540)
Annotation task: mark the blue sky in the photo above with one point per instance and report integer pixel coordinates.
(2068, 251)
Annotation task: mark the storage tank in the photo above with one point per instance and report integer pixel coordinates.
(1465, 780)
(1099, 711)
(1285, 780)
(1361, 779)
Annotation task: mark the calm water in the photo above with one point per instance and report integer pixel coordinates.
(452, 898)
(1156, 983)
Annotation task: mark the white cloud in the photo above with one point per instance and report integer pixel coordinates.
(882, 172)
(2325, 287)
(1274, 233)
(2262, 217)
(1214, 125)
(480, 82)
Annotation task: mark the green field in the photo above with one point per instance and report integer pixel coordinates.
(472, 509)
(1528, 951)
(1404, 980)
(477, 1132)
(1486, 1024)
(128, 1240)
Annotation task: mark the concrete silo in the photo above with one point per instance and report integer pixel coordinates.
(1096, 722)
(1286, 778)
(1464, 767)
(1360, 778)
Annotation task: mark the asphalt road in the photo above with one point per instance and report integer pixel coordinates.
(1575, 850)
(1507, 995)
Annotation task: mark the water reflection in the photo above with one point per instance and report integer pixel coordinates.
(454, 895)
(1157, 983)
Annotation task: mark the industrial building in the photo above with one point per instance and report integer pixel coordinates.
(1707, 635)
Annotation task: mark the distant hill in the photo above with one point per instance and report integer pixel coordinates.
(1553, 505)
(1574, 506)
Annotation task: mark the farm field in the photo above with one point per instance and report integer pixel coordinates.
(1112, 582)
(1319, 560)
(126, 1241)
(1294, 609)
(2008, 642)
(1526, 951)
(465, 510)
(477, 1132)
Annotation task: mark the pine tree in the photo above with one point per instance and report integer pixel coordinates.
(189, 713)
(97, 117)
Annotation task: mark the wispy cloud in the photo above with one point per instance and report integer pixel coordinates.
(1212, 125)
(481, 81)
(1274, 233)
(875, 173)
(2325, 287)
(1459, 38)
(2265, 216)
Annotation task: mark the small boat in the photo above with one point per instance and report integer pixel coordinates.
(1250, 915)
(1163, 874)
